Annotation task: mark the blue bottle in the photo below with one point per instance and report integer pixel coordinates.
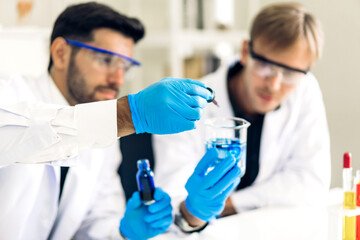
(145, 181)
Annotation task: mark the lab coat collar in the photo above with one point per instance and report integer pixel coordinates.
(49, 91)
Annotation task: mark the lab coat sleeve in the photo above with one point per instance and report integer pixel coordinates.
(303, 173)
(176, 158)
(33, 132)
(103, 219)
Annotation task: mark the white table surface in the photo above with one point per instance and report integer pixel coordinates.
(275, 223)
(278, 223)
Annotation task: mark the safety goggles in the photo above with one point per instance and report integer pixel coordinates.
(266, 68)
(106, 60)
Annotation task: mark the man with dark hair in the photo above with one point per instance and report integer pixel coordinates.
(78, 23)
(91, 49)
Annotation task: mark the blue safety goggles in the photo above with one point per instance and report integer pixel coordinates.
(83, 45)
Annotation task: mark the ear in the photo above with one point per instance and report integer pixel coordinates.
(60, 53)
(244, 52)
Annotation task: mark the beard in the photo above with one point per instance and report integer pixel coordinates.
(78, 87)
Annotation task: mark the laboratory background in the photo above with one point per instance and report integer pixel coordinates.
(190, 38)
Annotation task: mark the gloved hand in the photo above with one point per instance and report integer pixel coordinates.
(207, 193)
(143, 222)
(168, 106)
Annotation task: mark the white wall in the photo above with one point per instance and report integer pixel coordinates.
(24, 52)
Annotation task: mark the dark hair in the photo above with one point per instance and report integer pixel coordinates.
(78, 22)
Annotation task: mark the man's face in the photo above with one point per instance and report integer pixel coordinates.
(266, 85)
(95, 76)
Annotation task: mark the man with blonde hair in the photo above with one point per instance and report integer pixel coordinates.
(270, 85)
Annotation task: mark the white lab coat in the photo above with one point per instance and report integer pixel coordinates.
(92, 201)
(41, 132)
(294, 151)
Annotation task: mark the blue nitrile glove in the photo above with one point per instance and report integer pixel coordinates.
(207, 193)
(143, 222)
(171, 105)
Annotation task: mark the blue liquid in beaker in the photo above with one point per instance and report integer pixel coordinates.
(228, 147)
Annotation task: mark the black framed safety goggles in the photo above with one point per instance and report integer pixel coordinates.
(264, 59)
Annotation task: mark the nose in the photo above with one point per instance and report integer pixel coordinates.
(274, 81)
(116, 77)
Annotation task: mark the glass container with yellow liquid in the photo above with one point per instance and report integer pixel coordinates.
(349, 223)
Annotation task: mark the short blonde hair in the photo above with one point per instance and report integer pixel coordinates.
(282, 25)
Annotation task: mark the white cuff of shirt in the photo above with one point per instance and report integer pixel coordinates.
(49, 133)
(97, 124)
(243, 200)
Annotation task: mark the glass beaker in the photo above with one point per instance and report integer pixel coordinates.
(229, 136)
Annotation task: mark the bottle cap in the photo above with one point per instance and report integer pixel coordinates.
(347, 160)
(143, 164)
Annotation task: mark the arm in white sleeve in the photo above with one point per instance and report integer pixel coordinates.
(303, 176)
(176, 158)
(103, 218)
(38, 132)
